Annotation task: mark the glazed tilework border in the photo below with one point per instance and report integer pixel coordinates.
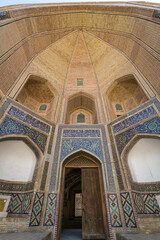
(145, 203)
(16, 186)
(20, 203)
(50, 213)
(114, 210)
(47, 160)
(92, 133)
(128, 210)
(20, 107)
(126, 121)
(116, 160)
(10, 126)
(151, 126)
(138, 117)
(26, 118)
(92, 145)
(155, 102)
(37, 210)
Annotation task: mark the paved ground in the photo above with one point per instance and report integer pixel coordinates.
(24, 236)
(71, 234)
(138, 236)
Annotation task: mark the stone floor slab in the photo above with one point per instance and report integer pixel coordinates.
(25, 236)
(71, 234)
(138, 236)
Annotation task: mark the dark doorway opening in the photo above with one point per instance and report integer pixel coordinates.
(82, 204)
(72, 204)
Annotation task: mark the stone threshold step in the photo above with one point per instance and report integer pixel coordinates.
(46, 235)
(138, 236)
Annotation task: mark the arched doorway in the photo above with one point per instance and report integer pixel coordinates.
(82, 204)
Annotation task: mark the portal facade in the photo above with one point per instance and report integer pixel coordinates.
(80, 118)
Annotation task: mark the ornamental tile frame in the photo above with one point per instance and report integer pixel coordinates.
(50, 213)
(124, 128)
(128, 211)
(145, 203)
(93, 140)
(37, 209)
(20, 203)
(114, 210)
(143, 187)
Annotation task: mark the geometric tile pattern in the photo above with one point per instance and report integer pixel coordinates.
(114, 211)
(139, 203)
(50, 210)
(151, 126)
(37, 209)
(26, 203)
(144, 114)
(128, 210)
(145, 203)
(25, 117)
(20, 203)
(11, 126)
(15, 203)
(150, 202)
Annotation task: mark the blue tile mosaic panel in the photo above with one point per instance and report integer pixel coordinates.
(37, 209)
(145, 203)
(116, 160)
(20, 203)
(71, 145)
(88, 133)
(91, 145)
(114, 211)
(150, 203)
(25, 117)
(151, 126)
(10, 126)
(128, 210)
(108, 161)
(138, 117)
(47, 160)
(50, 210)
(26, 203)
(153, 101)
(139, 203)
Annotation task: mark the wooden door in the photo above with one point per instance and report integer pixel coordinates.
(92, 219)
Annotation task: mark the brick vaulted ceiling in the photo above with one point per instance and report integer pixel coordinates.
(119, 38)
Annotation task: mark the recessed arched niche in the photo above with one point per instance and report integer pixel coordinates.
(17, 161)
(144, 160)
(124, 95)
(81, 110)
(38, 95)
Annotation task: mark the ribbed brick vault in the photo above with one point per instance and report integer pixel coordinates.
(119, 38)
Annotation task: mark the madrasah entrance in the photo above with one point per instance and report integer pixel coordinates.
(82, 203)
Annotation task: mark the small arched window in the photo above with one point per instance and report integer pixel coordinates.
(43, 107)
(119, 107)
(81, 118)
